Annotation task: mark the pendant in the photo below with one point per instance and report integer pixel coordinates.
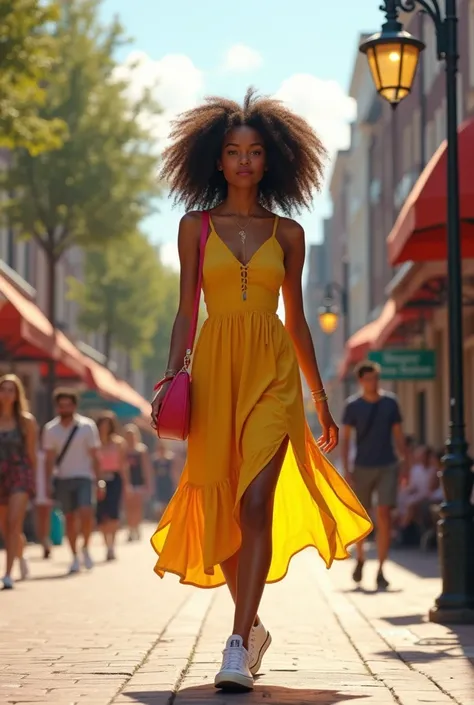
(243, 236)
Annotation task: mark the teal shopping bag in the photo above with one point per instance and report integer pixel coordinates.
(57, 527)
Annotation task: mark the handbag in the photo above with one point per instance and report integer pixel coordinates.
(172, 421)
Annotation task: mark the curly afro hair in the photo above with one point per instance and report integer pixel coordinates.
(295, 155)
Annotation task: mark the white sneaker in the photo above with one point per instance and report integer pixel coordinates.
(88, 562)
(75, 566)
(24, 568)
(235, 673)
(259, 642)
(7, 583)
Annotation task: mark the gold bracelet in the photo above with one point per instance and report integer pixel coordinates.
(319, 395)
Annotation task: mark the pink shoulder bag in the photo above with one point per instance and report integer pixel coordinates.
(173, 418)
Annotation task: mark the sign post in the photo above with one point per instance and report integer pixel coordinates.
(405, 364)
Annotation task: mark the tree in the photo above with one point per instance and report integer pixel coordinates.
(102, 182)
(28, 53)
(167, 306)
(120, 294)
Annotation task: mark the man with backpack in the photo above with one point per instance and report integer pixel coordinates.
(375, 416)
(71, 444)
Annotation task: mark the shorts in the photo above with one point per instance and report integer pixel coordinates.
(381, 480)
(74, 493)
(109, 507)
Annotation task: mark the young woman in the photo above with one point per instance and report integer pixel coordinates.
(18, 439)
(256, 488)
(114, 472)
(140, 479)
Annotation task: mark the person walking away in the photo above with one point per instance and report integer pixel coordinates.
(71, 443)
(43, 503)
(375, 416)
(257, 487)
(140, 480)
(163, 461)
(18, 449)
(114, 471)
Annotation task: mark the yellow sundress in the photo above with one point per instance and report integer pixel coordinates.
(246, 399)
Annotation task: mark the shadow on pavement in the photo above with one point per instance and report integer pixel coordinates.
(458, 643)
(425, 565)
(277, 695)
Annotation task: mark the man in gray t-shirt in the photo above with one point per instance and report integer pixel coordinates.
(374, 416)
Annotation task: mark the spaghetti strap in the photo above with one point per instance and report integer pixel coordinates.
(275, 226)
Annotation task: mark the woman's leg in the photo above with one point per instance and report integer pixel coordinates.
(256, 516)
(17, 505)
(43, 524)
(230, 568)
(3, 523)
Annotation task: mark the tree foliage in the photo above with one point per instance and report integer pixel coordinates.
(102, 182)
(167, 307)
(125, 295)
(28, 54)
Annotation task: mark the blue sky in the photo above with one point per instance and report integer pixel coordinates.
(301, 51)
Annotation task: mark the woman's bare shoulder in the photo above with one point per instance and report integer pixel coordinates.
(290, 233)
(27, 418)
(190, 227)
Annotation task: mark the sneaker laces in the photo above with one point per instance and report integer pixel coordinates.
(235, 658)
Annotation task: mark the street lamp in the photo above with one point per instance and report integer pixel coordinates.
(329, 312)
(394, 47)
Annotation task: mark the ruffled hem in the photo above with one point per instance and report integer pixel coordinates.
(313, 508)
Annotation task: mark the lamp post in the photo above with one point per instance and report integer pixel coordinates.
(393, 56)
(329, 312)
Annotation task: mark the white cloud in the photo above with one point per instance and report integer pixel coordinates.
(241, 58)
(324, 104)
(176, 84)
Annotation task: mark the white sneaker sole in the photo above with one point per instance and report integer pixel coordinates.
(254, 669)
(233, 682)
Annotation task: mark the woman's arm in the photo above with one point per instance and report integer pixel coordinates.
(31, 439)
(124, 465)
(188, 248)
(147, 469)
(297, 327)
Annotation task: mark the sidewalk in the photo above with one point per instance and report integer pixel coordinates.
(120, 636)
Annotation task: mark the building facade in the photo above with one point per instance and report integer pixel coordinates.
(393, 147)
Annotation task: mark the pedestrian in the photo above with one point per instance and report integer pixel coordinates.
(71, 442)
(163, 464)
(256, 488)
(140, 485)
(18, 448)
(375, 416)
(114, 472)
(43, 502)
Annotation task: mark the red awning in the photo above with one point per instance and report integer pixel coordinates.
(374, 335)
(26, 334)
(105, 382)
(419, 233)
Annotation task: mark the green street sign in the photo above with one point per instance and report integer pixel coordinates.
(405, 364)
